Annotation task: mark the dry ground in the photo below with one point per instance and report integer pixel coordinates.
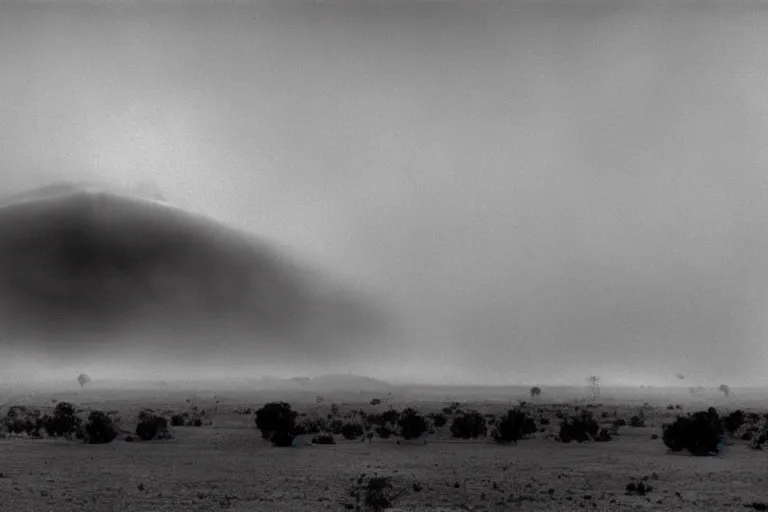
(227, 466)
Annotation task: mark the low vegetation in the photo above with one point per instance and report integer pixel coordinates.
(151, 426)
(469, 425)
(513, 426)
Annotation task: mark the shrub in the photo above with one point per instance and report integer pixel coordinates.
(760, 436)
(439, 420)
(513, 427)
(698, 434)
(454, 407)
(312, 426)
(281, 439)
(177, 420)
(733, 421)
(620, 422)
(351, 431)
(603, 437)
(99, 428)
(378, 493)
(390, 416)
(276, 420)
(375, 401)
(151, 426)
(578, 428)
(336, 426)
(14, 425)
(65, 421)
(544, 421)
(636, 421)
(384, 432)
(412, 424)
(469, 425)
(638, 489)
(324, 439)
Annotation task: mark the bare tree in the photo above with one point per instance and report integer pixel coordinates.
(83, 379)
(535, 391)
(593, 380)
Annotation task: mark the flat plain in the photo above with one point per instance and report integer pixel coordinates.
(225, 464)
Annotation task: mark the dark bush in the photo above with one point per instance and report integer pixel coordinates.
(513, 427)
(603, 436)
(276, 420)
(733, 421)
(65, 421)
(375, 401)
(378, 493)
(336, 426)
(324, 439)
(48, 425)
(438, 420)
(309, 426)
(759, 436)
(469, 425)
(544, 421)
(578, 428)
(351, 431)
(151, 426)
(15, 425)
(636, 421)
(384, 432)
(699, 434)
(195, 422)
(620, 422)
(177, 420)
(412, 424)
(99, 428)
(639, 489)
(391, 417)
(281, 439)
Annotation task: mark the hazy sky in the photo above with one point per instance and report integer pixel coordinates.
(538, 190)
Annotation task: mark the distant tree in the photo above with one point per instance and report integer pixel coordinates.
(725, 389)
(375, 401)
(83, 379)
(535, 391)
(593, 380)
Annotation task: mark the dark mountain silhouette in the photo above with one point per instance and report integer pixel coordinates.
(81, 265)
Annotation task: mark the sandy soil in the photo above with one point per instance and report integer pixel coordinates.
(225, 465)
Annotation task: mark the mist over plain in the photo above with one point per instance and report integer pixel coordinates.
(533, 191)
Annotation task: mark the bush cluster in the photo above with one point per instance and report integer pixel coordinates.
(513, 427)
(412, 424)
(699, 433)
(579, 428)
(151, 426)
(469, 425)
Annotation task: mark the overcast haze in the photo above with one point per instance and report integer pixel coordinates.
(532, 191)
